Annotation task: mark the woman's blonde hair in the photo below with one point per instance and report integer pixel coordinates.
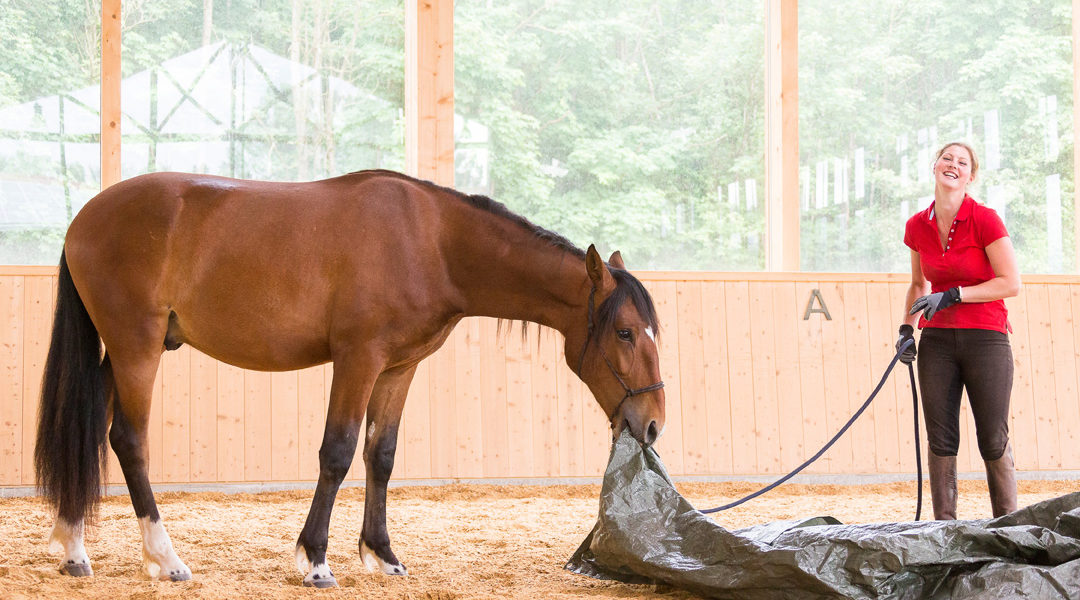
(965, 146)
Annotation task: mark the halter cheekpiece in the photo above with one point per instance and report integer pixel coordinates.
(630, 392)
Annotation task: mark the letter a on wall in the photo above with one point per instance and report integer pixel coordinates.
(810, 308)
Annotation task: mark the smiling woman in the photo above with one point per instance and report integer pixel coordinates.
(962, 269)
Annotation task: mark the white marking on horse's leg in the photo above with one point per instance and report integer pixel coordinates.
(371, 430)
(375, 564)
(319, 575)
(69, 538)
(159, 558)
(649, 332)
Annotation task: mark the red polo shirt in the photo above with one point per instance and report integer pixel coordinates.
(962, 262)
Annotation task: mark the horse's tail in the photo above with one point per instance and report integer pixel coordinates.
(69, 457)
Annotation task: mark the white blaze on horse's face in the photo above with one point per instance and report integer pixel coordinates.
(649, 332)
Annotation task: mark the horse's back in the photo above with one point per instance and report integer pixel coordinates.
(263, 265)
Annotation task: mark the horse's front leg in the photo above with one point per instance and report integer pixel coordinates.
(349, 394)
(380, 444)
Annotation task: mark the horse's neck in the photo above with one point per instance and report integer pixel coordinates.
(509, 273)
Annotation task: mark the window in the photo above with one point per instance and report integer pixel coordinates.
(49, 123)
(632, 125)
(928, 73)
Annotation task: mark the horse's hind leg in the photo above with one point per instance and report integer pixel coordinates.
(134, 380)
(383, 417)
(69, 538)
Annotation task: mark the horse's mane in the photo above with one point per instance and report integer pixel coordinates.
(627, 287)
(490, 206)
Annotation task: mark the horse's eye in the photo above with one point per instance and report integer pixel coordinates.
(624, 335)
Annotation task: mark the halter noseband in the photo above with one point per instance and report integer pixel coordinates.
(630, 392)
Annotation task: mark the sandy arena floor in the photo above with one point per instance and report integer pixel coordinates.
(458, 541)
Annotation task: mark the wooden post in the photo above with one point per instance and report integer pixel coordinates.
(429, 90)
(110, 92)
(782, 135)
(1076, 130)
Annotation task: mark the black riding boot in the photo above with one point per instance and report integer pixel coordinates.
(943, 485)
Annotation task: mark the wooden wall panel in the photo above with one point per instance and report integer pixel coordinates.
(812, 371)
(785, 305)
(12, 321)
(716, 391)
(752, 388)
(40, 297)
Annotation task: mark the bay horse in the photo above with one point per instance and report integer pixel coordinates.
(370, 271)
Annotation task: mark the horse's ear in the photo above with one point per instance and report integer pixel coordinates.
(598, 271)
(616, 260)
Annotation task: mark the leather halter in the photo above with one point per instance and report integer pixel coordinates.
(630, 392)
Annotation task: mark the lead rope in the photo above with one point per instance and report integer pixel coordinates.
(851, 421)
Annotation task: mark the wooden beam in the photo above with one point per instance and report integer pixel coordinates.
(1076, 130)
(429, 90)
(782, 135)
(110, 92)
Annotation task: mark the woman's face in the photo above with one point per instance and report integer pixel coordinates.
(953, 169)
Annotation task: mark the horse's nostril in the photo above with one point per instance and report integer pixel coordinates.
(651, 433)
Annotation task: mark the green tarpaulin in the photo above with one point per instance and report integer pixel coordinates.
(647, 532)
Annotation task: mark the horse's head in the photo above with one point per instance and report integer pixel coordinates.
(615, 353)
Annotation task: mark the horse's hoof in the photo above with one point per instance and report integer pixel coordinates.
(180, 576)
(321, 582)
(75, 569)
(374, 564)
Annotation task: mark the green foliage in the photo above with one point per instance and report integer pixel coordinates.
(623, 124)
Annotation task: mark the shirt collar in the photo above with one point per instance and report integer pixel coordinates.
(966, 207)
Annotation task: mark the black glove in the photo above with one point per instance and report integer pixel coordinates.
(930, 305)
(907, 332)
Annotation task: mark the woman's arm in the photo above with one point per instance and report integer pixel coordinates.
(1006, 282)
(919, 287)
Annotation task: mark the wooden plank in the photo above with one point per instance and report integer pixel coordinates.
(1065, 372)
(311, 417)
(285, 426)
(1069, 406)
(812, 373)
(692, 378)
(110, 92)
(1042, 362)
(12, 302)
(468, 416)
(443, 386)
(569, 415)
(670, 446)
(545, 404)
(882, 328)
(860, 376)
(429, 90)
(1022, 406)
(204, 397)
(40, 297)
(740, 374)
(519, 395)
(231, 412)
(837, 407)
(787, 313)
(597, 433)
(766, 406)
(258, 430)
(416, 421)
(176, 415)
(900, 385)
(715, 363)
(496, 461)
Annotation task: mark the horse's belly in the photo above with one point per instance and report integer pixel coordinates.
(252, 340)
